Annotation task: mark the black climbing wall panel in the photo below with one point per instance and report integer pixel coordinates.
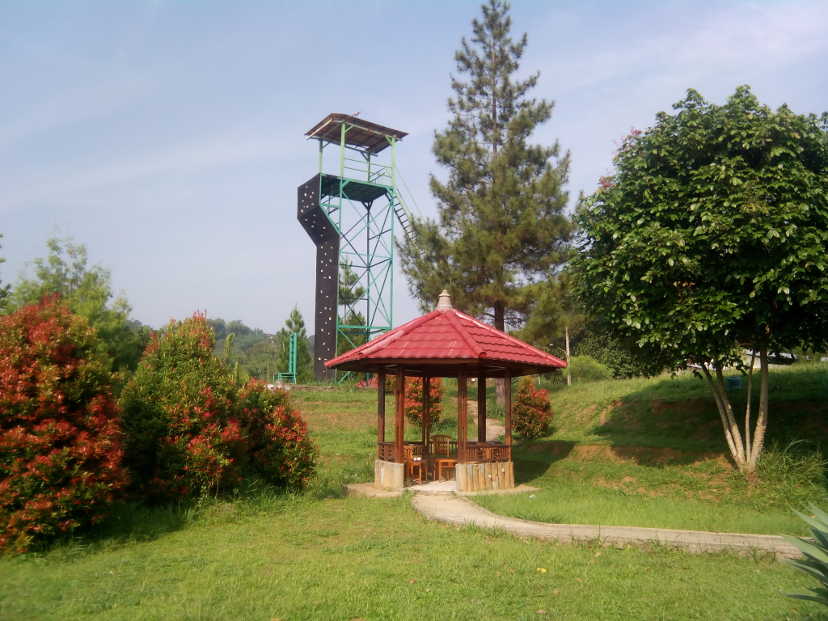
(324, 235)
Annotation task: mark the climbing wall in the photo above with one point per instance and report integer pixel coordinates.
(315, 222)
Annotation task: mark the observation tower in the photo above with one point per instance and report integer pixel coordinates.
(350, 209)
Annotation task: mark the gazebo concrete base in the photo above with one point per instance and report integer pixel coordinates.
(389, 475)
(477, 477)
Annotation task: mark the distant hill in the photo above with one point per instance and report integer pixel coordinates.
(255, 350)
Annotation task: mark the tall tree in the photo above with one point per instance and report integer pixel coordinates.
(87, 290)
(553, 311)
(304, 362)
(501, 224)
(710, 238)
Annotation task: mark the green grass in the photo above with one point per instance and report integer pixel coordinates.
(649, 452)
(679, 412)
(319, 555)
(301, 558)
(703, 496)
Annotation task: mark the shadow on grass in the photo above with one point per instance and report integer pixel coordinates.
(133, 521)
(674, 422)
(534, 458)
(675, 414)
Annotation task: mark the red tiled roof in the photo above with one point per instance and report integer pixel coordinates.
(448, 338)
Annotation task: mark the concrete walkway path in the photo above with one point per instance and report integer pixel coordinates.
(456, 510)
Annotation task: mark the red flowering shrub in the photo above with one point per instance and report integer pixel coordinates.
(414, 400)
(189, 430)
(178, 415)
(531, 410)
(60, 442)
(276, 445)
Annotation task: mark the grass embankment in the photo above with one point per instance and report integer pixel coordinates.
(321, 556)
(651, 453)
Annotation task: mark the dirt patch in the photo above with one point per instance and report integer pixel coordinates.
(687, 408)
(603, 417)
(586, 416)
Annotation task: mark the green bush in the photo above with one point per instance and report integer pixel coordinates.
(588, 369)
(189, 429)
(276, 445)
(60, 442)
(623, 358)
(531, 410)
(177, 415)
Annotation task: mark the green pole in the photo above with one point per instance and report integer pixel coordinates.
(292, 357)
(321, 146)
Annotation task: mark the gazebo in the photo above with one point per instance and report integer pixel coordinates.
(445, 343)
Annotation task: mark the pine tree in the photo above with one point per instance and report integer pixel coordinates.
(349, 291)
(501, 224)
(304, 362)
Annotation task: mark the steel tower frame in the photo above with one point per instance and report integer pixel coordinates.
(351, 217)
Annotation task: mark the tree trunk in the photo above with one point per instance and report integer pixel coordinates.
(729, 425)
(744, 449)
(762, 420)
(500, 323)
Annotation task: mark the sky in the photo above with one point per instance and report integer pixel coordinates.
(168, 137)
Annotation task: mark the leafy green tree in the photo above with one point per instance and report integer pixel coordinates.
(253, 350)
(87, 291)
(501, 221)
(710, 238)
(623, 357)
(552, 309)
(304, 362)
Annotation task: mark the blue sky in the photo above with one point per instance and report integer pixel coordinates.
(169, 136)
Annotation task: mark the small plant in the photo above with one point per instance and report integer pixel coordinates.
(414, 400)
(60, 441)
(815, 562)
(531, 411)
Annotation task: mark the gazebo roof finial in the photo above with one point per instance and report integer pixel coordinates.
(444, 301)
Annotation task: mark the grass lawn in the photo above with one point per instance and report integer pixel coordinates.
(319, 555)
(376, 559)
(651, 453)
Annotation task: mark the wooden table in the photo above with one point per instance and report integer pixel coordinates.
(439, 463)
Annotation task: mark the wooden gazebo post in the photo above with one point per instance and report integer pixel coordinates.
(481, 407)
(426, 422)
(508, 414)
(380, 413)
(462, 417)
(399, 419)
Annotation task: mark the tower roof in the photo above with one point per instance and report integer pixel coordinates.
(447, 343)
(362, 134)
